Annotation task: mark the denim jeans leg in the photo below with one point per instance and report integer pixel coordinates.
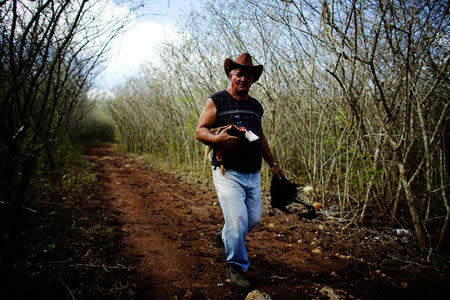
(240, 199)
(253, 200)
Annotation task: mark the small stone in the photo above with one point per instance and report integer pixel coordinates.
(308, 189)
(257, 295)
(326, 290)
(316, 251)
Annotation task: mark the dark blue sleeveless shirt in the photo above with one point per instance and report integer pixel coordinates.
(247, 156)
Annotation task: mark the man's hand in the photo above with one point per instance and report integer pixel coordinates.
(226, 141)
(276, 170)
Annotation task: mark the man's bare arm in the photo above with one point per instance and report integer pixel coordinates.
(268, 157)
(205, 122)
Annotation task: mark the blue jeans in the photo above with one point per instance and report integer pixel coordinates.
(240, 199)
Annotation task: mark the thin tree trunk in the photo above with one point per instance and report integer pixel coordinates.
(420, 233)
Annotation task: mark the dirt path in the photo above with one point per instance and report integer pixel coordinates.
(168, 229)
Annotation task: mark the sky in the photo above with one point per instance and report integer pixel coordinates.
(139, 43)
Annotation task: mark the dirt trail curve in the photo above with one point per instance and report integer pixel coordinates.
(168, 229)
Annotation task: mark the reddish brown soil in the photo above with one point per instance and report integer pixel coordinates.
(168, 230)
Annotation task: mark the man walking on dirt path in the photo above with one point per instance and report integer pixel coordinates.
(230, 123)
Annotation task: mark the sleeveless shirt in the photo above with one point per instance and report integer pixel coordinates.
(247, 156)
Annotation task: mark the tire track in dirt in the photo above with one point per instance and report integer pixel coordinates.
(167, 227)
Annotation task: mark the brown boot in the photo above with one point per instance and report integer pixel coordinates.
(237, 276)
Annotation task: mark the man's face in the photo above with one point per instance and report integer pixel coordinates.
(241, 81)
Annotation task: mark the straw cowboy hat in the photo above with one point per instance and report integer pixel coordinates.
(243, 61)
